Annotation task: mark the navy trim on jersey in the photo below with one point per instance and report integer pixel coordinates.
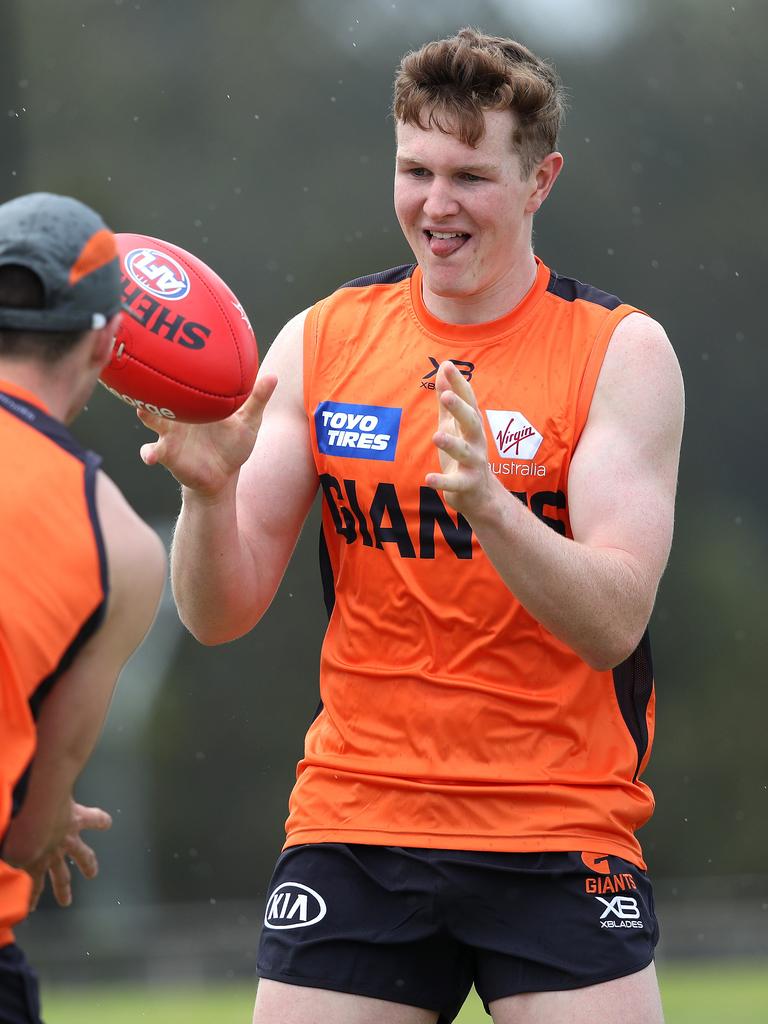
(633, 683)
(326, 575)
(570, 289)
(392, 276)
(92, 464)
(329, 591)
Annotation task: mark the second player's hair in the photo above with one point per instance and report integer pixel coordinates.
(21, 288)
(449, 84)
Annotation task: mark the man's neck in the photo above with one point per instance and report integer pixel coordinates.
(490, 304)
(41, 382)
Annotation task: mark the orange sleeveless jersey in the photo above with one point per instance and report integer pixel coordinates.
(52, 588)
(450, 718)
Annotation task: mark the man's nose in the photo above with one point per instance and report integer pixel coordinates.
(441, 201)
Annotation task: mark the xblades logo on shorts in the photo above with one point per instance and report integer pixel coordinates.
(294, 905)
(620, 912)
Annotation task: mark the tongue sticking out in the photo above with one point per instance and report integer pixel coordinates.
(445, 246)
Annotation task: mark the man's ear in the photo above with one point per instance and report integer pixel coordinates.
(104, 342)
(545, 177)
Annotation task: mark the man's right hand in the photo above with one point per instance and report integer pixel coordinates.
(205, 457)
(65, 843)
(73, 848)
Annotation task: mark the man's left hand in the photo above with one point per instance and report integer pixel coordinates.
(465, 478)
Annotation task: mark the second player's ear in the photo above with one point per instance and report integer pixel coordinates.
(544, 178)
(105, 340)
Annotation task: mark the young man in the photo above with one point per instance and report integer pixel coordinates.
(467, 804)
(82, 574)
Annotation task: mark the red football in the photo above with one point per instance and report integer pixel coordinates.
(185, 348)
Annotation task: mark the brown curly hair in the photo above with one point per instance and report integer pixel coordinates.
(449, 83)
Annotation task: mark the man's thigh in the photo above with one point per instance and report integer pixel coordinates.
(631, 1000)
(277, 1003)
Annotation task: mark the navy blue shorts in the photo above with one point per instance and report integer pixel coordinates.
(420, 927)
(19, 995)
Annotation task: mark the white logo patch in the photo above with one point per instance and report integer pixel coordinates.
(624, 908)
(158, 273)
(293, 905)
(515, 437)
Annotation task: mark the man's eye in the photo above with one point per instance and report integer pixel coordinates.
(418, 172)
(471, 177)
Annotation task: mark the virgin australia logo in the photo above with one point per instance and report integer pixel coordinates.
(515, 437)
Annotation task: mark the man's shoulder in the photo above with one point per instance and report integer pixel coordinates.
(32, 414)
(570, 289)
(359, 293)
(394, 275)
(128, 538)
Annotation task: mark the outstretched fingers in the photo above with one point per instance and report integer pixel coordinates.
(61, 879)
(455, 446)
(457, 400)
(91, 817)
(460, 440)
(82, 855)
(153, 451)
(253, 407)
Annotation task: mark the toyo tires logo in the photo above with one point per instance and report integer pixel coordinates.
(157, 273)
(357, 431)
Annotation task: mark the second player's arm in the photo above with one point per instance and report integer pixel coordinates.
(231, 546)
(72, 715)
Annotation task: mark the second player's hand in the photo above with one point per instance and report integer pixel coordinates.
(65, 844)
(205, 456)
(465, 478)
(74, 848)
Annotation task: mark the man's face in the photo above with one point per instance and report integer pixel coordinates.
(465, 212)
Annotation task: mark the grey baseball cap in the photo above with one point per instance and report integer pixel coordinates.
(74, 254)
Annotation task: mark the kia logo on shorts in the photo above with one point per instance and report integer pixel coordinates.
(293, 905)
(157, 273)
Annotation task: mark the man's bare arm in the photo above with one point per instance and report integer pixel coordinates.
(73, 713)
(239, 525)
(596, 591)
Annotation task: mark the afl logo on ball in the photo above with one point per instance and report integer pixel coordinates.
(293, 905)
(157, 273)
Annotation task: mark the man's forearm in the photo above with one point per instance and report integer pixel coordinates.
(70, 720)
(213, 573)
(594, 600)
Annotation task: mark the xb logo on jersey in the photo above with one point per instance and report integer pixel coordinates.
(465, 369)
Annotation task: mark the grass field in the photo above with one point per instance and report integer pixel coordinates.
(707, 993)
